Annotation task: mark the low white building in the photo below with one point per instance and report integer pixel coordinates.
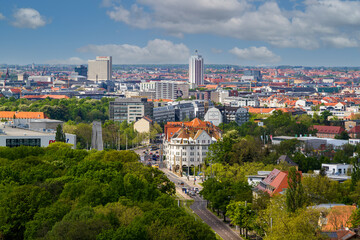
(15, 137)
(336, 168)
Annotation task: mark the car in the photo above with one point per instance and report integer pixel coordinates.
(182, 183)
(196, 189)
(155, 165)
(192, 193)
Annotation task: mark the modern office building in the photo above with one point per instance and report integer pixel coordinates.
(252, 75)
(100, 69)
(171, 90)
(164, 114)
(188, 109)
(196, 69)
(130, 109)
(81, 70)
(220, 114)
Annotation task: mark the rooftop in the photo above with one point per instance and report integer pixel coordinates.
(16, 132)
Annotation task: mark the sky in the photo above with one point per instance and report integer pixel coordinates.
(240, 32)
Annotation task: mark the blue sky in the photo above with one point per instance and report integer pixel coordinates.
(242, 32)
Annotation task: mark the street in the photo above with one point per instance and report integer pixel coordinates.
(199, 207)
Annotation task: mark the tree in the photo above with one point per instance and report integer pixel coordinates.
(343, 135)
(60, 135)
(242, 215)
(320, 189)
(355, 175)
(355, 218)
(295, 197)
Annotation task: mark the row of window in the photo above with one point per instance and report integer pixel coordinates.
(34, 142)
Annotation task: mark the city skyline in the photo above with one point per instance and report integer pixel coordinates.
(240, 32)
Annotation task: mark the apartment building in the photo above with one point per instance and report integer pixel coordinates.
(187, 143)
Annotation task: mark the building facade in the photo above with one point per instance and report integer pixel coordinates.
(187, 143)
(81, 70)
(100, 69)
(164, 114)
(196, 69)
(130, 109)
(15, 137)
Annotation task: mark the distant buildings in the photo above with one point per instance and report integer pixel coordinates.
(196, 69)
(327, 131)
(171, 90)
(130, 109)
(81, 70)
(252, 75)
(100, 69)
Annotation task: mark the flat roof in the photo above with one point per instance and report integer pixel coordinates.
(45, 121)
(14, 132)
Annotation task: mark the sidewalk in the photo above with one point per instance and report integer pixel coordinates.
(190, 182)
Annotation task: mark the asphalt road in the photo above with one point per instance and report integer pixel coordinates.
(199, 207)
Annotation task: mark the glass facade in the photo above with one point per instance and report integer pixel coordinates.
(32, 142)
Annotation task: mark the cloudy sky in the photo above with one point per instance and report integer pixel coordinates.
(242, 32)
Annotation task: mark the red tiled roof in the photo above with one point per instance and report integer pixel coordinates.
(355, 130)
(338, 217)
(328, 129)
(277, 179)
(22, 115)
(15, 90)
(45, 96)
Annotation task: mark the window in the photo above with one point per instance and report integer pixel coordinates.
(184, 153)
(177, 153)
(204, 147)
(32, 142)
(191, 159)
(192, 154)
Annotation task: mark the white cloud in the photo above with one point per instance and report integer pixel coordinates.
(216, 51)
(321, 22)
(69, 61)
(258, 54)
(28, 18)
(156, 51)
(2, 17)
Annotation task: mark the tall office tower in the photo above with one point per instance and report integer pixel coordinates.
(100, 69)
(96, 139)
(81, 70)
(196, 69)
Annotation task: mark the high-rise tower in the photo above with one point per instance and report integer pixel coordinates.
(100, 69)
(196, 69)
